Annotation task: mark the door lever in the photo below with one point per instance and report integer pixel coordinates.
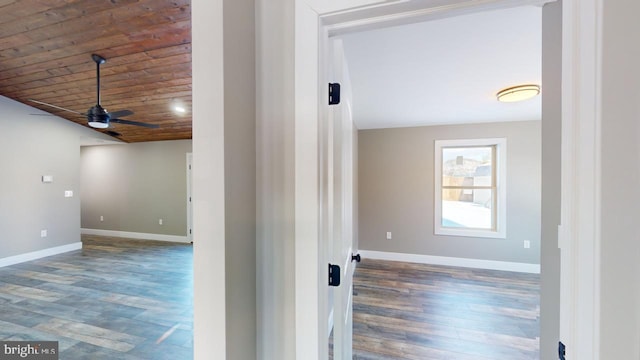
(355, 258)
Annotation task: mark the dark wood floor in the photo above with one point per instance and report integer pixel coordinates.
(115, 299)
(133, 300)
(422, 312)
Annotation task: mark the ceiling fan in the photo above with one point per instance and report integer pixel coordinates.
(97, 116)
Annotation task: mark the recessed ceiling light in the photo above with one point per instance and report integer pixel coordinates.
(518, 93)
(180, 109)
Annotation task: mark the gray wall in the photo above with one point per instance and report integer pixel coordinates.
(134, 185)
(620, 176)
(396, 192)
(240, 177)
(551, 134)
(30, 147)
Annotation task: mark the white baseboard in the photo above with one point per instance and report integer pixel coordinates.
(135, 235)
(451, 261)
(17, 259)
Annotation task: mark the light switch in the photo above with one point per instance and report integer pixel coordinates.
(68, 193)
(47, 178)
(388, 235)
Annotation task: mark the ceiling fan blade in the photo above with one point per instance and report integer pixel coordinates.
(56, 107)
(121, 113)
(112, 133)
(128, 122)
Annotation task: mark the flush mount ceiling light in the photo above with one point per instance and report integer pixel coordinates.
(518, 93)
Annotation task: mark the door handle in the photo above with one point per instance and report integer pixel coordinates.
(355, 258)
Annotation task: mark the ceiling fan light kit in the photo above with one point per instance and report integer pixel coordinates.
(98, 117)
(518, 93)
(98, 124)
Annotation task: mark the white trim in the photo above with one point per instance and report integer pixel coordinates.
(415, 13)
(311, 292)
(501, 188)
(330, 323)
(579, 235)
(135, 235)
(189, 197)
(17, 259)
(452, 261)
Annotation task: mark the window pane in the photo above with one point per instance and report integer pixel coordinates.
(467, 166)
(467, 208)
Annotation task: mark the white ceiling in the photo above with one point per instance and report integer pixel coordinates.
(446, 71)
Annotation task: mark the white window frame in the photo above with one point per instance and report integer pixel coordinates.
(501, 188)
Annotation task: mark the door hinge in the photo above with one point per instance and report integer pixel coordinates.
(334, 275)
(334, 93)
(562, 351)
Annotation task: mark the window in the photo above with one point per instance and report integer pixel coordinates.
(470, 187)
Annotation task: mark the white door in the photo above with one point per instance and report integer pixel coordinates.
(340, 163)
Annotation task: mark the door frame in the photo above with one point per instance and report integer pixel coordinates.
(316, 20)
(579, 232)
(189, 198)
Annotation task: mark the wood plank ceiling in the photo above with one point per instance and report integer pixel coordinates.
(45, 55)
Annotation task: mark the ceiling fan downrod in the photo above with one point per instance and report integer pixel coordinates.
(99, 60)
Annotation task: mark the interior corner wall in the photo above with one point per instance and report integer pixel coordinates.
(619, 180)
(396, 192)
(133, 186)
(551, 170)
(240, 177)
(30, 147)
(209, 237)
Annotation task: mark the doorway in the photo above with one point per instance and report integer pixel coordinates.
(339, 24)
(397, 160)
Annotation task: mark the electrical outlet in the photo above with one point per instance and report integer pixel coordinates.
(101, 218)
(388, 235)
(527, 244)
(159, 221)
(43, 233)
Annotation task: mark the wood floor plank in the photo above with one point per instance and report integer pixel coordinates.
(91, 334)
(30, 292)
(48, 277)
(13, 332)
(111, 300)
(417, 311)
